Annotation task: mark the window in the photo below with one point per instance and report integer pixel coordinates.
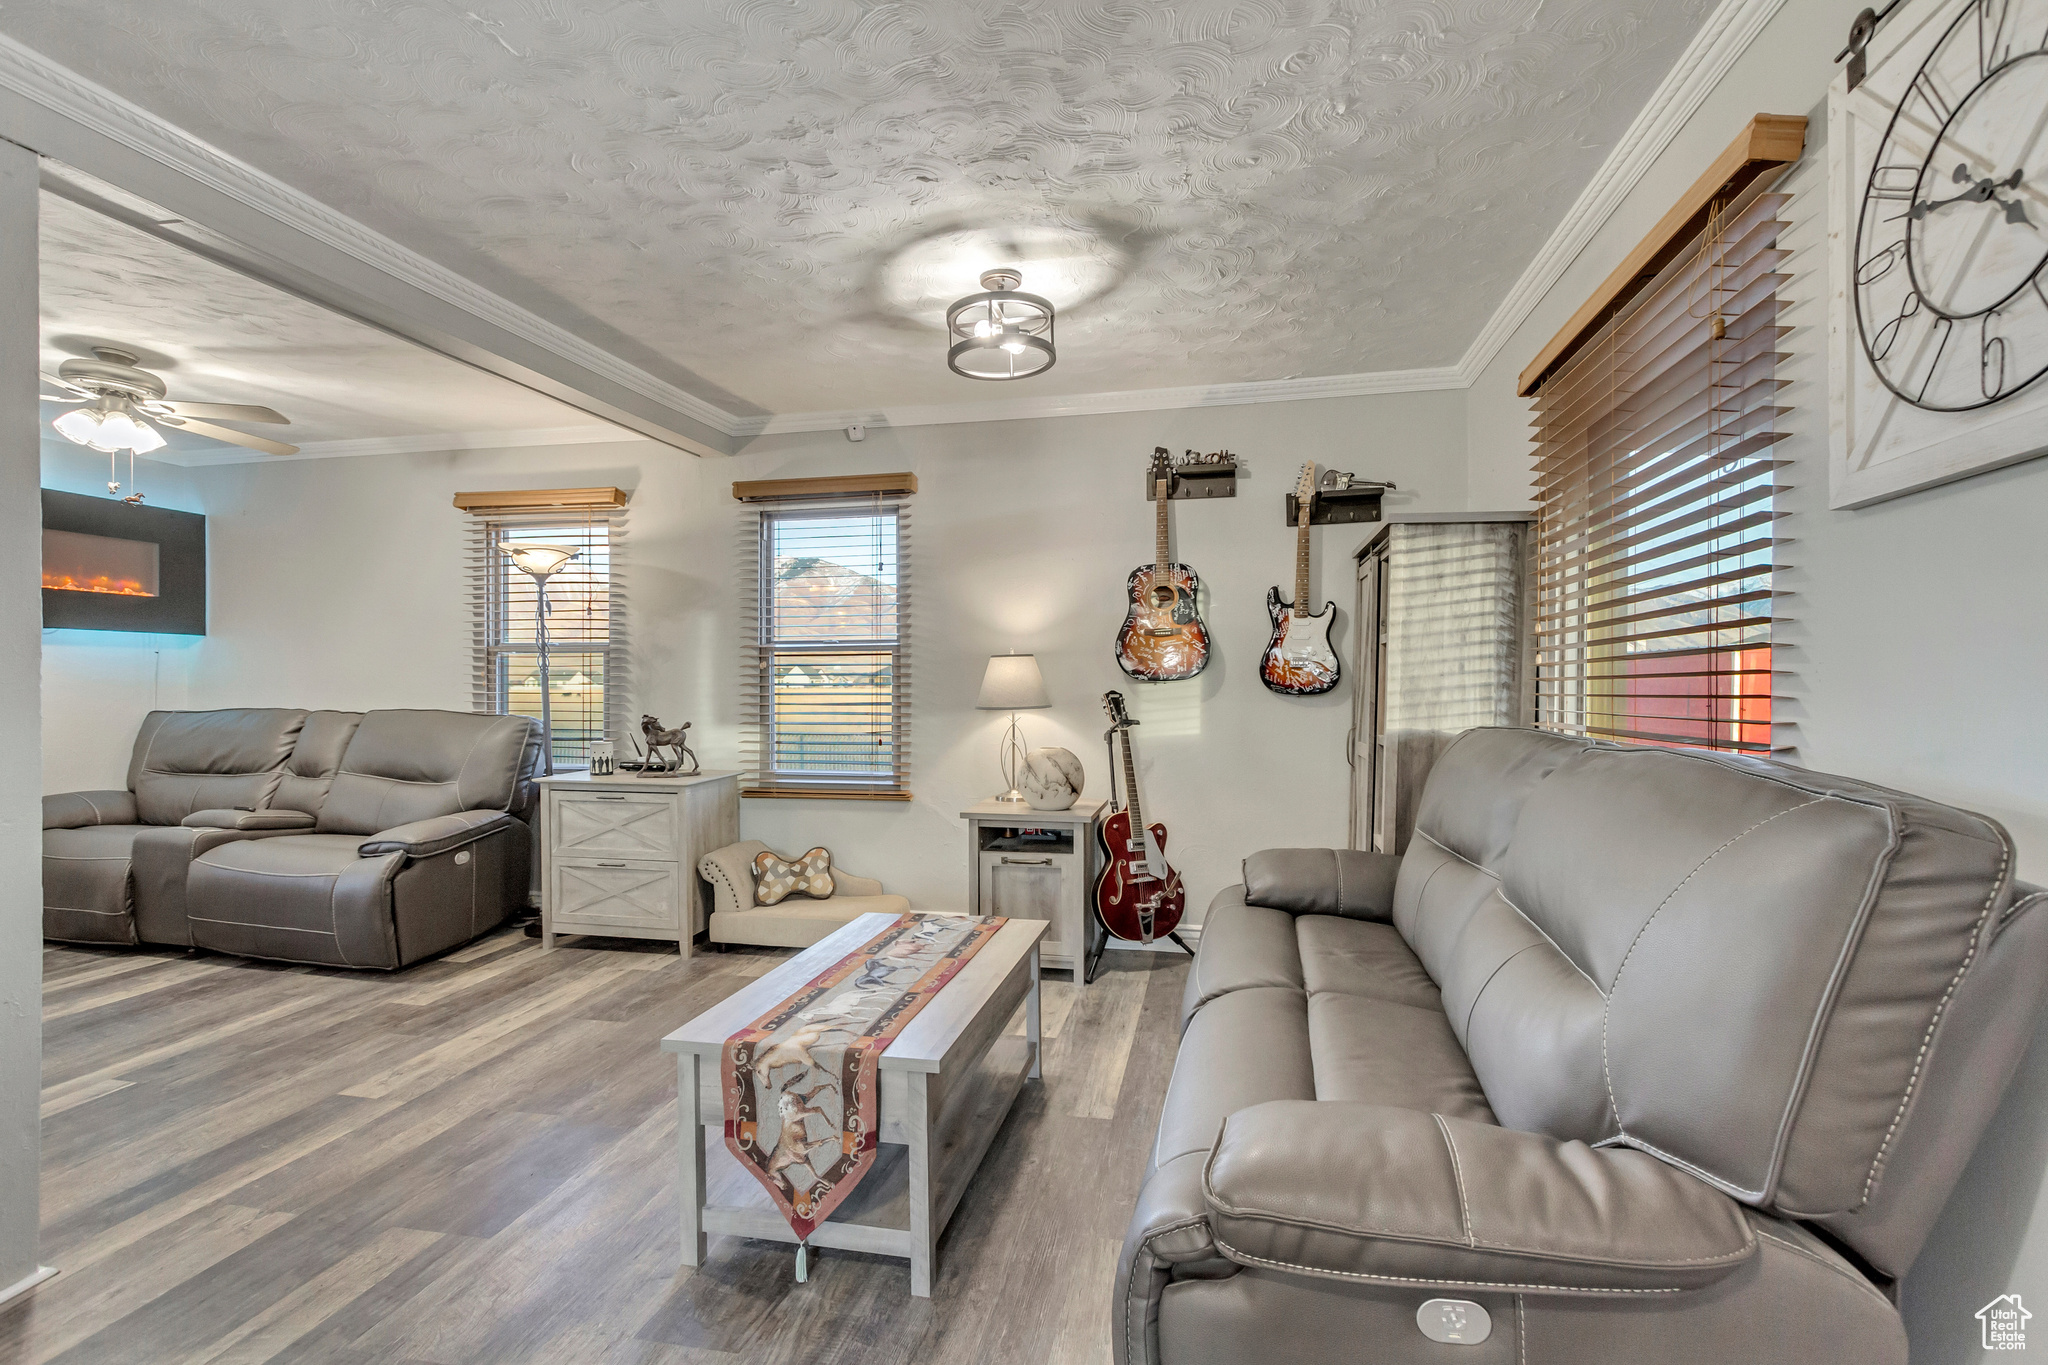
(585, 619)
(1656, 477)
(826, 677)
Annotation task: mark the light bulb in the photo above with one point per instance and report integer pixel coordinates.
(80, 424)
(1014, 346)
(984, 328)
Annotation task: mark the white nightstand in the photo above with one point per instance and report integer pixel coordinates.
(1037, 864)
(619, 854)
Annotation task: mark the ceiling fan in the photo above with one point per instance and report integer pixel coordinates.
(123, 405)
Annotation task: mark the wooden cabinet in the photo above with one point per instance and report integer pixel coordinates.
(619, 854)
(1037, 865)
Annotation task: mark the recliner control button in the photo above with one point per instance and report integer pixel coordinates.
(1460, 1322)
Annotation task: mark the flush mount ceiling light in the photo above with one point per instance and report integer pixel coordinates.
(1000, 334)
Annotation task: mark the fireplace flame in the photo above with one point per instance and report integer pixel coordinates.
(119, 587)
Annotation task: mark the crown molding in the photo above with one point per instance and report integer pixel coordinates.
(1127, 400)
(1713, 52)
(1722, 39)
(429, 443)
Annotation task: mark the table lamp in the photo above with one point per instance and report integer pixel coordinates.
(540, 563)
(1012, 683)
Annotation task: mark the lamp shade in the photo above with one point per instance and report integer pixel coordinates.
(538, 560)
(1012, 683)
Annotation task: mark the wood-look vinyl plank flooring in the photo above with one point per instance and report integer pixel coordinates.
(56, 985)
(472, 1163)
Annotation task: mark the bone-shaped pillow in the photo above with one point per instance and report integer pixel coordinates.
(776, 879)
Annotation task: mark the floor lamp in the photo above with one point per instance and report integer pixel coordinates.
(540, 563)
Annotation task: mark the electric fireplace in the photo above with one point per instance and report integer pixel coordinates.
(77, 562)
(110, 565)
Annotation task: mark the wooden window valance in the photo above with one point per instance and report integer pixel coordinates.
(1768, 143)
(523, 499)
(833, 486)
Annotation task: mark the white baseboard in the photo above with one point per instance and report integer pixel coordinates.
(24, 1284)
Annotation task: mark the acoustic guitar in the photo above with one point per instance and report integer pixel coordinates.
(1299, 661)
(1162, 638)
(1138, 896)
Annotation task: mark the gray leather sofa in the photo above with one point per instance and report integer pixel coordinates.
(351, 839)
(1634, 1055)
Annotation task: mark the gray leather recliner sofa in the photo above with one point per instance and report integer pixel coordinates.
(350, 839)
(1634, 1055)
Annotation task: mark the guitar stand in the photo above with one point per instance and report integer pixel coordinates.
(1093, 962)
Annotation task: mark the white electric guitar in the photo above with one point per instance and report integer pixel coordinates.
(1299, 661)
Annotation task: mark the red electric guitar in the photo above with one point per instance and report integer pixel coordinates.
(1137, 896)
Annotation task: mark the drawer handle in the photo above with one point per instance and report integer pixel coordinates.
(1029, 862)
(611, 864)
(611, 798)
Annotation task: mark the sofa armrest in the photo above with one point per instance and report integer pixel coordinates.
(1364, 1192)
(1322, 881)
(844, 883)
(1168, 1239)
(76, 810)
(730, 872)
(276, 819)
(425, 838)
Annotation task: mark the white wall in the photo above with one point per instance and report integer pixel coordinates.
(21, 902)
(98, 683)
(340, 583)
(1918, 628)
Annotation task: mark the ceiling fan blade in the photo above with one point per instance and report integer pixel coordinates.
(57, 398)
(223, 412)
(239, 438)
(65, 386)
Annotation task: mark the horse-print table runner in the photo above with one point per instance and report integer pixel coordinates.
(801, 1081)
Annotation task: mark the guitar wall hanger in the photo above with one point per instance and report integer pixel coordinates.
(1196, 475)
(1341, 499)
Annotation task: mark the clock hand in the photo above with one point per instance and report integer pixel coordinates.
(1983, 190)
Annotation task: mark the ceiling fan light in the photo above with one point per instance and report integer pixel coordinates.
(147, 439)
(120, 430)
(81, 425)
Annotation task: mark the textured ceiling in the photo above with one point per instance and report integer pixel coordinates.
(215, 335)
(768, 201)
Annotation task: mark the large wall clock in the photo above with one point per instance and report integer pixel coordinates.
(1939, 249)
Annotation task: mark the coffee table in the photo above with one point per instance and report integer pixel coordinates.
(946, 1083)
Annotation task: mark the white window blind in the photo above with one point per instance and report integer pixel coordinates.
(586, 624)
(1455, 625)
(825, 661)
(1657, 483)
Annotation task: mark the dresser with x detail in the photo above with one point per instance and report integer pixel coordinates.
(619, 854)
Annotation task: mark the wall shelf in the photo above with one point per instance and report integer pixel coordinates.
(1340, 506)
(1197, 481)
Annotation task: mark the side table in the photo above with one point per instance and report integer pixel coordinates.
(619, 854)
(1039, 865)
